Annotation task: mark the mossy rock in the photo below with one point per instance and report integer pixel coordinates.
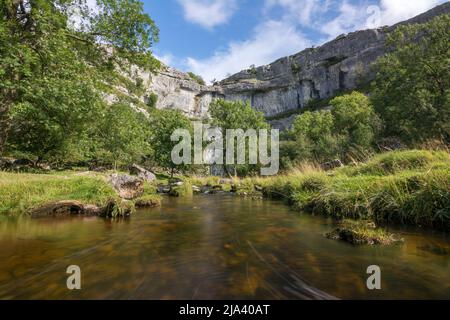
(362, 233)
(150, 201)
(184, 190)
(118, 208)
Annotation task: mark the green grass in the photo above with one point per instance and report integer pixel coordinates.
(361, 232)
(20, 193)
(398, 161)
(185, 190)
(402, 187)
(150, 198)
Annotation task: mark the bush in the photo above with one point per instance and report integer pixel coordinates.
(185, 190)
(197, 78)
(396, 161)
(409, 187)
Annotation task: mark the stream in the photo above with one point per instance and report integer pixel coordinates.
(214, 247)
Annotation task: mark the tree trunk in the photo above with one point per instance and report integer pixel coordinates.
(227, 172)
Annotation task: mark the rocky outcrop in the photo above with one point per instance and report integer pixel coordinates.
(288, 83)
(127, 187)
(142, 173)
(177, 90)
(315, 73)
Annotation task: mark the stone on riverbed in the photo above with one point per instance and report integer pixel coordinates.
(127, 187)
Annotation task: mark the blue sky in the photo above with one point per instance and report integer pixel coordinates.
(214, 38)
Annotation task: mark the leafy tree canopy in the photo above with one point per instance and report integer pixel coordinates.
(349, 129)
(58, 59)
(412, 89)
(163, 124)
(237, 115)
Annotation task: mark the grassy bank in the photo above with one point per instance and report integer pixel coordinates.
(22, 193)
(403, 187)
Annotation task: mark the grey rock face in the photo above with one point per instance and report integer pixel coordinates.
(284, 123)
(288, 83)
(127, 187)
(142, 173)
(316, 73)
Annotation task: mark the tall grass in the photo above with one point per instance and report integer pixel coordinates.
(20, 193)
(409, 187)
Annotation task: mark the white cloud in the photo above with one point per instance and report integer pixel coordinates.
(168, 58)
(350, 18)
(388, 12)
(208, 13)
(302, 10)
(270, 41)
(393, 11)
(274, 39)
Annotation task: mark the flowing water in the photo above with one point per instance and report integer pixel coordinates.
(213, 247)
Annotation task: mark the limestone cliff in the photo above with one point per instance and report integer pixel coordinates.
(288, 83)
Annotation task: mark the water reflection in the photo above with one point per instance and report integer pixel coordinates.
(212, 247)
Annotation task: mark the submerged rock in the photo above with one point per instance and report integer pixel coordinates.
(436, 249)
(127, 187)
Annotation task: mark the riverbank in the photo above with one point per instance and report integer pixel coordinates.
(402, 187)
(23, 193)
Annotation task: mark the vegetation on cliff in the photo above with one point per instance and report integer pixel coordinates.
(408, 103)
(197, 78)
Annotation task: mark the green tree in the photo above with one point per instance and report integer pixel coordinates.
(237, 115)
(57, 58)
(314, 137)
(356, 122)
(152, 100)
(124, 135)
(412, 88)
(163, 123)
(349, 129)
